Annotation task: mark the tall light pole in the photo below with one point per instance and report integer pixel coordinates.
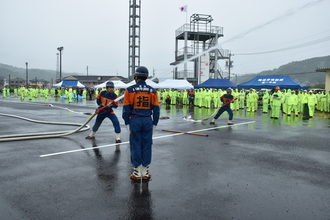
(57, 75)
(27, 74)
(60, 49)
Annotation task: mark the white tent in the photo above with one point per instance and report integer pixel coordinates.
(118, 84)
(148, 81)
(174, 84)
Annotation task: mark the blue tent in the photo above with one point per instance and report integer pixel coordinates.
(216, 83)
(270, 82)
(69, 83)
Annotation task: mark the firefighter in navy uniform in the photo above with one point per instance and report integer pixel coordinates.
(141, 113)
(226, 99)
(191, 97)
(105, 98)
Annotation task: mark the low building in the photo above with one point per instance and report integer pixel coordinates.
(17, 82)
(39, 83)
(327, 76)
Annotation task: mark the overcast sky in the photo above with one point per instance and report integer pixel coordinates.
(94, 33)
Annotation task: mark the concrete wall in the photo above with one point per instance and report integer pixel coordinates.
(327, 80)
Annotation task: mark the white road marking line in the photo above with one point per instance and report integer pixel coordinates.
(127, 142)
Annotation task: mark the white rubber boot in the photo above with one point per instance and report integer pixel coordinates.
(145, 173)
(118, 138)
(91, 136)
(136, 175)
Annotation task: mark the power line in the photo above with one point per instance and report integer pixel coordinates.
(318, 41)
(285, 15)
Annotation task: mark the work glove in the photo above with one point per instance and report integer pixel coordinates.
(97, 111)
(110, 105)
(154, 127)
(127, 127)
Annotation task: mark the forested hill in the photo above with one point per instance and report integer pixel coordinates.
(16, 72)
(303, 71)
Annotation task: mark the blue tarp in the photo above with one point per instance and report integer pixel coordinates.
(216, 83)
(270, 82)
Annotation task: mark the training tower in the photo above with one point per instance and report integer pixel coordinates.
(198, 42)
(134, 37)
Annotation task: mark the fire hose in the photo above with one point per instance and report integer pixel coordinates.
(82, 127)
(215, 112)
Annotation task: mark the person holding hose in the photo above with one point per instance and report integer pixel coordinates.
(104, 98)
(226, 99)
(141, 113)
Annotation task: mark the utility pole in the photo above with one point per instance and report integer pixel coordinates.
(60, 49)
(27, 75)
(57, 67)
(87, 70)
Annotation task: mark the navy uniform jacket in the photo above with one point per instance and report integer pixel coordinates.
(141, 100)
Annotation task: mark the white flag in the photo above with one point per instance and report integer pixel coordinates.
(183, 8)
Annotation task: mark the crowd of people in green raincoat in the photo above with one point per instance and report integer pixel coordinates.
(34, 93)
(67, 93)
(275, 101)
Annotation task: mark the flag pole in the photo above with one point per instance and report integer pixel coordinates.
(185, 9)
(186, 14)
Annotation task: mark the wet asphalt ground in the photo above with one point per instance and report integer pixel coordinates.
(259, 168)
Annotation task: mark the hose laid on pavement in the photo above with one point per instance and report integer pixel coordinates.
(18, 137)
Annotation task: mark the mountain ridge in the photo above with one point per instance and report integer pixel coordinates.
(303, 72)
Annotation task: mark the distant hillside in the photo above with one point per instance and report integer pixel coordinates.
(301, 71)
(15, 72)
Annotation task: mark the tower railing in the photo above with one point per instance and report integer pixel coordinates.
(192, 51)
(201, 28)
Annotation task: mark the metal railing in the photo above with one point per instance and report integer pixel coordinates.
(199, 28)
(192, 51)
(180, 74)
